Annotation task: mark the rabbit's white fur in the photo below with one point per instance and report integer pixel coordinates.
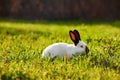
(64, 49)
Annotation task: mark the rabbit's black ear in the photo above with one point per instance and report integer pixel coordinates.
(73, 37)
(77, 34)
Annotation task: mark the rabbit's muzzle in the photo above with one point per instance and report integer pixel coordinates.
(86, 50)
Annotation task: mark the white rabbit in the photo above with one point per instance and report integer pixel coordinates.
(64, 49)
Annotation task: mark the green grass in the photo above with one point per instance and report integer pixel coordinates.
(22, 42)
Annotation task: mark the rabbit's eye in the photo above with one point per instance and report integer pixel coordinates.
(81, 46)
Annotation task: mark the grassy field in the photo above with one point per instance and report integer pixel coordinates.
(22, 42)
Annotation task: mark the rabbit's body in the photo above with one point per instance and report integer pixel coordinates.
(58, 50)
(64, 49)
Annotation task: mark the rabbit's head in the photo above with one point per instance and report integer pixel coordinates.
(75, 37)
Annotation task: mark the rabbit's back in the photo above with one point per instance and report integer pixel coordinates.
(57, 49)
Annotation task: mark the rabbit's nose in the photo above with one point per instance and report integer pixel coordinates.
(86, 49)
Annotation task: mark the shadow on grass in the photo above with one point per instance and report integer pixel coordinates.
(19, 75)
(17, 31)
(65, 22)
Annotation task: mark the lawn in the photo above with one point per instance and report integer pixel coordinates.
(22, 43)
